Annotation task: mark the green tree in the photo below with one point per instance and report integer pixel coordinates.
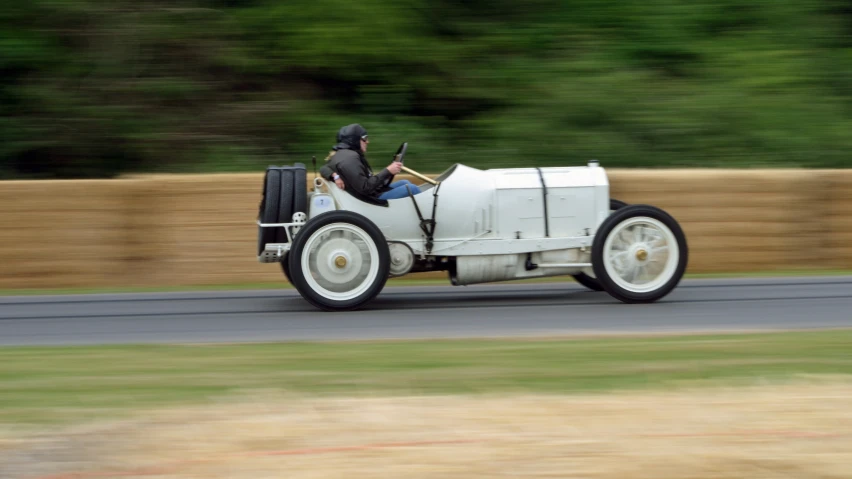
(96, 88)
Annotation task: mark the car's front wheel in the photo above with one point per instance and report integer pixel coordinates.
(639, 254)
(339, 261)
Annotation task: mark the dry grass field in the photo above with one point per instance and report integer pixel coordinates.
(798, 431)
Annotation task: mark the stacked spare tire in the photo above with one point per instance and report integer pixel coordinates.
(284, 194)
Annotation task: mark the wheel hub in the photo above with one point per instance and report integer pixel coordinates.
(340, 262)
(641, 254)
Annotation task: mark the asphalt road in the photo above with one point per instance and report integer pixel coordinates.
(424, 312)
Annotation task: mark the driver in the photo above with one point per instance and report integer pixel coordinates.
(348, 166)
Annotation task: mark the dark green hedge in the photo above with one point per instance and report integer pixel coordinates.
(99, 88)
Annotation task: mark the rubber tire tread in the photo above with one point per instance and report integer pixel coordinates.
(285, 204)
(588, 281)
(300, 191)
(583, 278)
(297, 275)
(285, 267)
(606, 228)
(268, 209)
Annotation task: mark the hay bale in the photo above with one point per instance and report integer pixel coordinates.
(61, 233)
(204, 230)
(200, 229)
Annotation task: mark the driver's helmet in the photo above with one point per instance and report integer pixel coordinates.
(349, 137)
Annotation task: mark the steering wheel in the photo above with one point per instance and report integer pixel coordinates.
(400, 152)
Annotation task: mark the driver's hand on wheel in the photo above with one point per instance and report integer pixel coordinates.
(395, 167)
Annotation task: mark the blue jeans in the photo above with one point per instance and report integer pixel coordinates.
(400, 190)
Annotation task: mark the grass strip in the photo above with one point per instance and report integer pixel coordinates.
(70, 384)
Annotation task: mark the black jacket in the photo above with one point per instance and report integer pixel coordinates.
(356, 173)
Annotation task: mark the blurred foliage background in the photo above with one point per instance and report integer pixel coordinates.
(98, 88)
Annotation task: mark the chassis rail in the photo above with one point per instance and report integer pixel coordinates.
(273, 252)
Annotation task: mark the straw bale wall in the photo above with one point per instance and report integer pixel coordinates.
(836, 243)
(739, 220)
(59, 234)
(199, 229)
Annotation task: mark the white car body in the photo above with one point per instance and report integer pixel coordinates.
(490, 219)
(493, 225)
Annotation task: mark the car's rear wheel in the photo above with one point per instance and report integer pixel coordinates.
(587, 276)
(339, 261)
(639, 254)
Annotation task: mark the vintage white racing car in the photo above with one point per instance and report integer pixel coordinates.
(480, 226)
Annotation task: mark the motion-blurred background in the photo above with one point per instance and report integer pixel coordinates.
(134, 135)
(155, 120)
(101, 88)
